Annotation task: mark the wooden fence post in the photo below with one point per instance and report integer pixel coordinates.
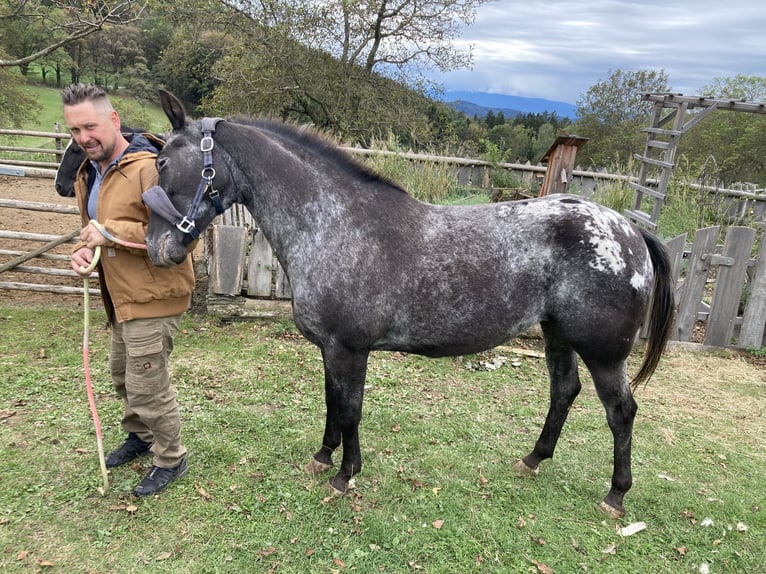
(754, 319)
(733, 263)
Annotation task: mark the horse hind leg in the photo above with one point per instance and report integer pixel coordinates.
(613, 389)
(564, 388)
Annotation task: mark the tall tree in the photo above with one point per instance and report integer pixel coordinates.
(332, 60)
(65, 21)
(729, 147)
(612, 112)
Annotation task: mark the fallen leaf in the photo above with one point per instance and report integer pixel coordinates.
(706, 522)
(131, 509)
(163, 556)
(45, 563)
(81, 451)
(339, 563)
(436, 490)
(741, 527)
(267, 551)
(611, 549)
(437, 524)
(542, 567)
(21, 555)
(309, 552)
(202, 492)
(681, 551)
(632, 529)
(396, 428)
(483, 481)
(521, 523)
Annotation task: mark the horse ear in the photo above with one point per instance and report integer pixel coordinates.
(173, 109)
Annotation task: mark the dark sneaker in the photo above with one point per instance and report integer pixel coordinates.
(132, 448)
(158, 479)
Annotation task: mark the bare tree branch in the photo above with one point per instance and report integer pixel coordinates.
(85, 23)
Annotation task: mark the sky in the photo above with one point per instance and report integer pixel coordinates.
(557, 49)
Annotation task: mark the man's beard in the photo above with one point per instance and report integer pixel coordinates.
(99, 153)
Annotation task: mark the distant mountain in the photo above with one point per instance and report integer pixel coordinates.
(479, 103)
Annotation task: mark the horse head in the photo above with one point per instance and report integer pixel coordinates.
(67, 169)
(184, 202)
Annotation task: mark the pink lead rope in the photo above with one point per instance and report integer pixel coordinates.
(86, 345)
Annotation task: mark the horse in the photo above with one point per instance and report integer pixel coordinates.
(72, 160)
(372, 269)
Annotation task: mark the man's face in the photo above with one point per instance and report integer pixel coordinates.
(94, 128)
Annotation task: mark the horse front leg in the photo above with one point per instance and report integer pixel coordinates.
(561, 361)
(345, 372)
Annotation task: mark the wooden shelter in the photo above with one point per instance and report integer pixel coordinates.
(561, 160)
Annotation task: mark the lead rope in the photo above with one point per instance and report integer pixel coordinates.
(86, 366)
(86, 345)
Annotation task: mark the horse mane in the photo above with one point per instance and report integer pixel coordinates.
(320, 143)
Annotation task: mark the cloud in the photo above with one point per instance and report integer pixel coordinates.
(557, 49)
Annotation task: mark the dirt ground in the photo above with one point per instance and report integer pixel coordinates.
(40, 222)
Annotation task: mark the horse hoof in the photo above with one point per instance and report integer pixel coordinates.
(332, 491)
(523, 469)
(315, 467)
(611, 511)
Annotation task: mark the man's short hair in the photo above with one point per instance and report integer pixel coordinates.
(78, 93)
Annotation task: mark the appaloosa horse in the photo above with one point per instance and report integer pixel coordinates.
(371, 268)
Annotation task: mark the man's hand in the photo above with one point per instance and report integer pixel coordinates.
(81, 259)
(91, 235)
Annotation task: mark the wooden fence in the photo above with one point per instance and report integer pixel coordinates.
(721, 291)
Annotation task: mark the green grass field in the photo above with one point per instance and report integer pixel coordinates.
(436, 494)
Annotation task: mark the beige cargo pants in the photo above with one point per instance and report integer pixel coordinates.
(138, 363)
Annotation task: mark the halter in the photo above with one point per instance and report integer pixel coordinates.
(157, 200)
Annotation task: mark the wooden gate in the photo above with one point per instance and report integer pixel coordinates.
(721, 295)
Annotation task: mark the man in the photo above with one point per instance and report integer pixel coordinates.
(144, 303)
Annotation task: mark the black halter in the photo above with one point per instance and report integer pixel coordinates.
(186, 225)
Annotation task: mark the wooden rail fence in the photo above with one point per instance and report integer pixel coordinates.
(721, 283)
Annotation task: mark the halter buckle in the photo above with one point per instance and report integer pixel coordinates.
(186, 225)
(206, 144)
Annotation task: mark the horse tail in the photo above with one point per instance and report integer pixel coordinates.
(662, 305)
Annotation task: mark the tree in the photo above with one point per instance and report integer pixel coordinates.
(16, 105)
(735, 140)
(611, 114)
(331, 61)
(65, 22)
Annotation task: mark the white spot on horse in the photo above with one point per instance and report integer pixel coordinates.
(607, 249)
(639, 281)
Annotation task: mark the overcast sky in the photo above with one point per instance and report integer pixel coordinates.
(557, 49)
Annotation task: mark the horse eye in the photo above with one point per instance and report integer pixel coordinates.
(161, 162)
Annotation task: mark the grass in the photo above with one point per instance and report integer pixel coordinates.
(436, 493)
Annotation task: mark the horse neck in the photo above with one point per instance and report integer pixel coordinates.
(281, 191)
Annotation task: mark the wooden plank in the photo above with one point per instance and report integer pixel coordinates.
(653, 161)
(260, 267)
(728, 289)
(646, 190)
(694, 285)
(12, 285)
(47, 247)
(228, 264)
(754, 318)
(39, 206)
(283, 290)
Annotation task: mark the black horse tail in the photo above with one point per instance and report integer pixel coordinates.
(662, 305)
